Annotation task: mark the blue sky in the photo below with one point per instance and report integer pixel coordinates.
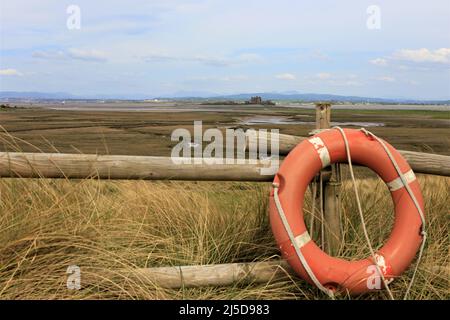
(160, 47)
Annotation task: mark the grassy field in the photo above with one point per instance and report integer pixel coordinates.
(148, 133)
(108, 228)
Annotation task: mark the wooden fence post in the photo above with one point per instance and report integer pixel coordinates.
(331, 183)
(323, 115)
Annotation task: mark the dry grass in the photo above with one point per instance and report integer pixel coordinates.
(109, 227)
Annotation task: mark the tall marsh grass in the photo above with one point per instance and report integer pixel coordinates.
(109, 228)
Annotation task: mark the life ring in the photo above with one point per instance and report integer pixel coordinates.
(291, 182)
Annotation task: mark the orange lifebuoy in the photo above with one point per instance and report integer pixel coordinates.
(292, 180)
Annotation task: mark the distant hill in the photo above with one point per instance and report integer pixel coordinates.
(311, 97)
(35, 95)
(31, 95)
(205, 96)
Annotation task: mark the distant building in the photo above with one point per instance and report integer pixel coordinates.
(259, 100)
(256, 100)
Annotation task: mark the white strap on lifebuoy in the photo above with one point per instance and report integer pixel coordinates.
(321, 150)
(298, 242)
(302, 239)
(397, 184)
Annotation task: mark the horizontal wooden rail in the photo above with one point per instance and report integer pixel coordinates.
(80, 166)
(428, 163)
(215, 274)
(229, 274)
(286, 143)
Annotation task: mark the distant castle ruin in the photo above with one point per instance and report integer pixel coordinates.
(259, 100)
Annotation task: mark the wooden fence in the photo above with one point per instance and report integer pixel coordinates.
(81, 166)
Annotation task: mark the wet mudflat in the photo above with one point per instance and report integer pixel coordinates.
(145, 128)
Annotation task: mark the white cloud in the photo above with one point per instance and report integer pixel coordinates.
(345, 83)
(75, 54)
(209, 61)
(234, 78)
(403, 68)
(215, 61)
(385, 79)
(324, 75)
(218, 78)
(424, 55)
(335, 80)
(206, 60)
(10, 72)
(249, 58)
(286, 76)
(319, 55)
(412, 82)
(50, 55)
(379, 62)
(87, 55)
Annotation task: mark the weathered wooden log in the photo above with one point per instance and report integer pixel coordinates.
(428, 162)
(216, 274)
(227, 274)
(80, 166)
(286, 142)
